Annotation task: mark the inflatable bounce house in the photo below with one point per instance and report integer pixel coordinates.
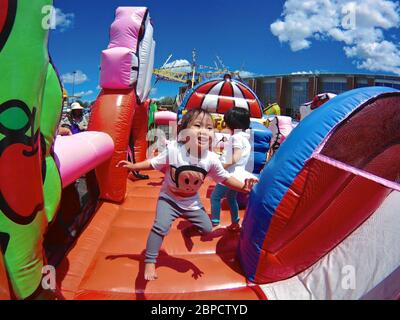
(315, 103)
(272, 109)
(322, 223)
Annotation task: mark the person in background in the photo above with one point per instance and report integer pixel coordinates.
(76, 121)
(234, 159)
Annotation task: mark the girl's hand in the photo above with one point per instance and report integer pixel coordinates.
(234, 184)
(249, 184)
(125, 164)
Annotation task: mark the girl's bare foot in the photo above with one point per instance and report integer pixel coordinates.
(150, 272)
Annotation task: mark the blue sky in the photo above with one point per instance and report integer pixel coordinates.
(239, 32)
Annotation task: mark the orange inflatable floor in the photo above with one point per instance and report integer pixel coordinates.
(106, 262)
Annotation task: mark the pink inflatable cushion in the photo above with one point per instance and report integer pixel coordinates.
(285, 127)
(125, 29)
(163, 118)
(118, 68)
(80, 153)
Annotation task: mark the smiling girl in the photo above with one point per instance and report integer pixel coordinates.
(186, 164)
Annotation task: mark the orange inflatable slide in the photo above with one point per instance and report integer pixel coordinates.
(107, 261)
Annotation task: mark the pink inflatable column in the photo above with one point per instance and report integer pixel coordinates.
(125, 68)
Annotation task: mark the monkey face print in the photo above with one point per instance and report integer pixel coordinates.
(184, 175)
(187, 180)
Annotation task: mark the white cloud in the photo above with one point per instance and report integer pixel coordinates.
(64, 21)
(179, 65)
(301, 72)
(153, 91)
(84, 93)
(306, 72)
(158, 99)
(246, 74)
(358, 24)
(80, 77)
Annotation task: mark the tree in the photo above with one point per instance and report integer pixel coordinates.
(167, 102)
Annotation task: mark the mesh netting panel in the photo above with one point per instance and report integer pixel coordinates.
(373, 131)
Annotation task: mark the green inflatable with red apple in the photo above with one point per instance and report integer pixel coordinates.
(30, 109)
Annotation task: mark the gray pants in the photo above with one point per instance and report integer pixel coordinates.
(167, 213)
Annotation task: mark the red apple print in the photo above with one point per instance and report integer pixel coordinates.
(7, 18)
(21, 182)
(3, 13)
(21, 195)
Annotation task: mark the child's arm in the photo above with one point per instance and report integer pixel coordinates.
(237, 154)
(157, 163)
(234, 184)
(145, 165)
(220, 175)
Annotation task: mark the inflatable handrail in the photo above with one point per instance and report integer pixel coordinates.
(81, 153)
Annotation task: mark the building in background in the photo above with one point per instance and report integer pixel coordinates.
(292, 90)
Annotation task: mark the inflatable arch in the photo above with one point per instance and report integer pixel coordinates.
(333, 181)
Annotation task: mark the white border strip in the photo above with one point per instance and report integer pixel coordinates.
(357, 172)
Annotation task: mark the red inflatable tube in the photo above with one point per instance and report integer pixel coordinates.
(113, 113)
(139, 131)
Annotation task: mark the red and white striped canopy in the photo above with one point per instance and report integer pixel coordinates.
(219, 96)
